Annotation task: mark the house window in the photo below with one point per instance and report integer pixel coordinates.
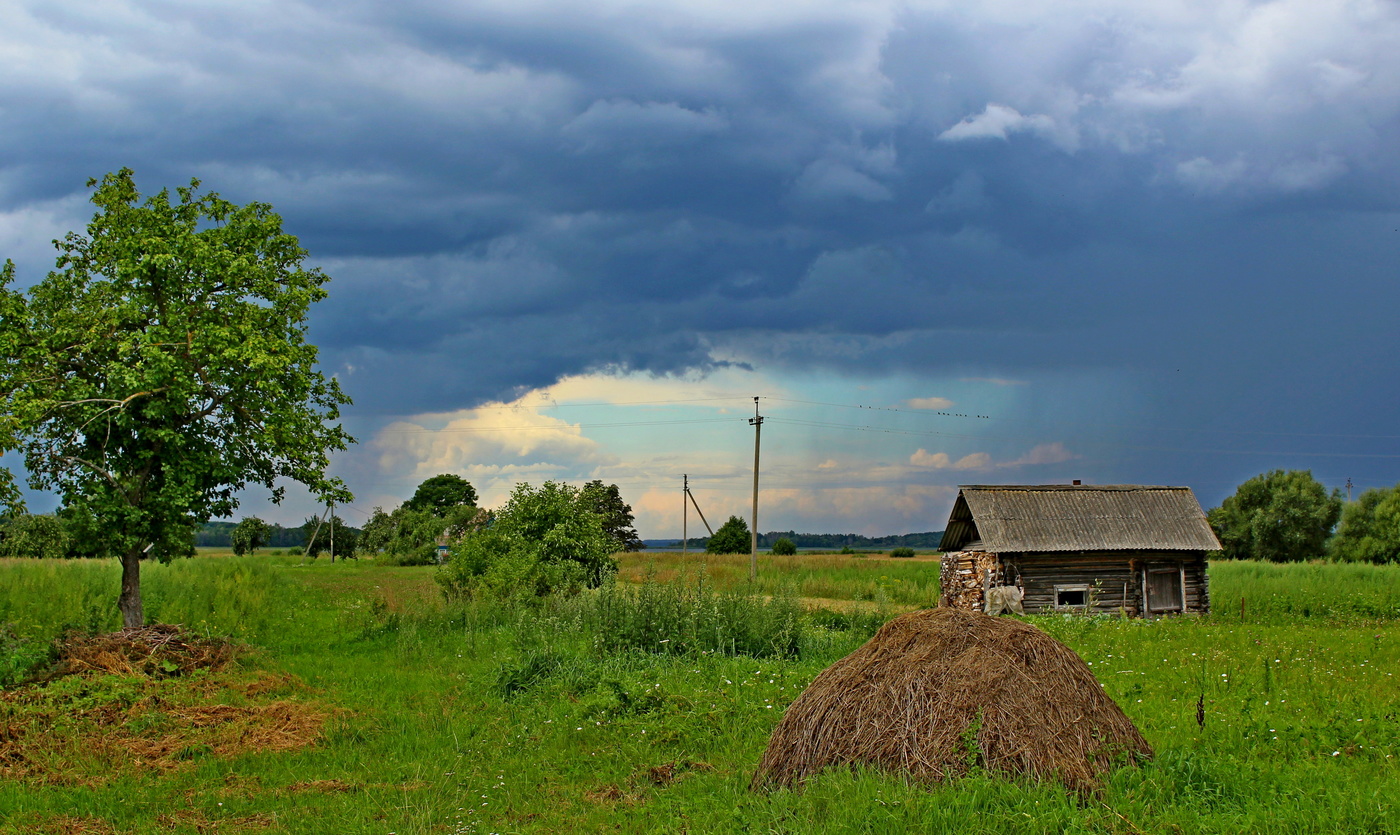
(1074, 596)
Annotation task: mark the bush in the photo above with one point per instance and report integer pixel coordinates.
(543, 541)
(731, 538)
(784, 547)
(41, 536)
(902, 553)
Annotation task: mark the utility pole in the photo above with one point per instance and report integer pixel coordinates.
(1348, 489)
(757, 423)
(332, 515)
(685, 512)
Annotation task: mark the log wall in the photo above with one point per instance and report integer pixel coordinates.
(1114, 578)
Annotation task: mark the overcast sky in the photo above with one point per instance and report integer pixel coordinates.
(999, 242)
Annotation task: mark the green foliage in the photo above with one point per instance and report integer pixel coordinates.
(542, 541)
(250, 535)
(902, 553)
(731, 538)
(406, 535)
(615, 514)
(1339, 593)
(1281, 516)
(320, 534)
(784, 547)
(687, 616)
(1370, 528)
(441, 494)
(163, 366)
(25, 535)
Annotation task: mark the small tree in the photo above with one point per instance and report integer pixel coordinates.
(23, 535)
(163, 366)
(616, 515)
(318, 538)
(784, 547)
(1280, 516)
(1370, 528)
(731, 538)
(250, 535)
(441, 493)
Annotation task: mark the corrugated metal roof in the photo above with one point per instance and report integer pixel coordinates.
(1062, 517)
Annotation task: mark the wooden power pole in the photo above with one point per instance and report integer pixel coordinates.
(757, 423)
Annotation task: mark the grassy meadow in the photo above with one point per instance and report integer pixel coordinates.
(385, 711)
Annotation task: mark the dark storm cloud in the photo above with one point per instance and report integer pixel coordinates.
(507, 193)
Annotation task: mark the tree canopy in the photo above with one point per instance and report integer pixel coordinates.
(163, 366)
(250, 535)
(321, 534)
(544, 539)
(441, 493)
(731, 538)
(1370, 528)
(616, 515)
(1280, 516)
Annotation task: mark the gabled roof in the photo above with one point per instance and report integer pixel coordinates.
(1060, 517)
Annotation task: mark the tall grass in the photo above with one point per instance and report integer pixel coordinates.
(688, 615)
(241, 598)
(1277, 592)
(819, 576)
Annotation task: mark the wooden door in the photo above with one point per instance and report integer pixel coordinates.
(1164, 590)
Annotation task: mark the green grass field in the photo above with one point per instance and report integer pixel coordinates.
(484, 719)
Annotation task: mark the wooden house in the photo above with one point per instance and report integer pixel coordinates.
(1078, 548)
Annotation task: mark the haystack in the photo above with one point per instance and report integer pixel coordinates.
(940, 692)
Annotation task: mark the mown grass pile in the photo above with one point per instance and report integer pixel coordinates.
(939, 693)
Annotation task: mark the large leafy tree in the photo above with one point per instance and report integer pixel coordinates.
(163, 366)
(1280, 516)
(731, 538)
(616, 515)
(1370, 528)
(441, 493)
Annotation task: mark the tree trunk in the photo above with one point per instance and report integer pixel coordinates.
(130, 601)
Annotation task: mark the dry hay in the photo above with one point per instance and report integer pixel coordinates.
(157, 651)
(938, 693)
(118, 702)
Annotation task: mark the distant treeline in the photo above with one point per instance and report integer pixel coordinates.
(217, 535)
(835, 541)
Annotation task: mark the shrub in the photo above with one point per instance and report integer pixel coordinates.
(731, 538)
(543, 541)
(784, 547)
(42, 536)
(902, 552)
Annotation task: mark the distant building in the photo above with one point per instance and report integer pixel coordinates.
(1079, 548)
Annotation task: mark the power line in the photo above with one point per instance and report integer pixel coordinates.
(455, 429)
